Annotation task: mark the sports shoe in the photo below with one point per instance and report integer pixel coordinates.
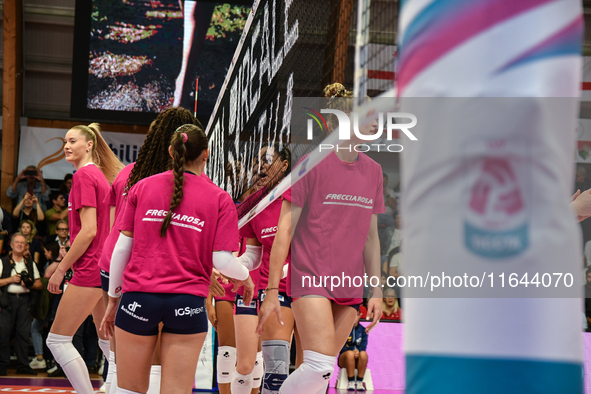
(56, 374)
(361, 385)
(52, 369)
(103, 388)
(38, 364)
(25, 371)
(351, 386)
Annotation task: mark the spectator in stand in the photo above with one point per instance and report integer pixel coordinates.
(581, 178)
(587, 289)
(32, 183)
(354, 355)
(16, 316)
(386, 219)
(27, 229)
(59, 211)
(62, 234)
(66, 187)
(391, 309)
(5, 228)
(29, 209)
(52, 254)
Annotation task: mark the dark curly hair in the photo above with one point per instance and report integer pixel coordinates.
(153, 157)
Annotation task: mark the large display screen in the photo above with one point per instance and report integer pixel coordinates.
(134, 58)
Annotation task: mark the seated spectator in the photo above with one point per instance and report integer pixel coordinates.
(390, 307)
(5, 229)
(66, 187)
(27, 229)
(62, 234)
(52, 254)
(16, 316)
(354, 355)
(29, 209)
(30, 180)
(59, 211)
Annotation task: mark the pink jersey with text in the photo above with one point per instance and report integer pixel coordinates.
(115, 198)
(338, 200)
(89, 188)
(181, 262)
(264, 227)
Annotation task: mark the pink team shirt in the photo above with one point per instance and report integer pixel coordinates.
(89, 188)
(115, 198)
(338, 200)
(181, 262)
(264, 227)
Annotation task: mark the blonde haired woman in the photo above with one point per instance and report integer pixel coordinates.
(96, 167)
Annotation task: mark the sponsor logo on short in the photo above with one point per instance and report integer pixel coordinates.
(188, 311)
(131, 308)
(240, 303)
(279, 297)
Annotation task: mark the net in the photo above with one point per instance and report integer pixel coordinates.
(291, 50)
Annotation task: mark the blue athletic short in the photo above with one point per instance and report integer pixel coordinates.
(140, 313)
(104, 280)
(284, 299)
(241, 309)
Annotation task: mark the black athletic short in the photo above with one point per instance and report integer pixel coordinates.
(241, 309)
(105, 280)
(140, 313)
(284, 299)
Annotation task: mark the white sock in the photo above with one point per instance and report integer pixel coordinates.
(114, 387)
(110, 373)
(123, 391)
(155, 377)
(66, 355)
(258, 371)
(241, 384)
(312, 376)
(105, 346)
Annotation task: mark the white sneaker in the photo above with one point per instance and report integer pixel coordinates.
(52, 369)
(103, 389)
(361, 385)
(351, 385)
(37, 364)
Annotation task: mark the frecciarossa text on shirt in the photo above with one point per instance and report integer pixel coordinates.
(158, 216)
(349, 198)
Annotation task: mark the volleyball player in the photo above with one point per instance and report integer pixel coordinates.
(96, 166)
(153, 158)
(168, 245)
(333, 238)
(275, 164)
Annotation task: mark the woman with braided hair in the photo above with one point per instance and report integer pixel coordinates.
(96, 167)
(161, 267)
(153, 159)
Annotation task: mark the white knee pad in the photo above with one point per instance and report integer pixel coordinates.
(258, 371)
(226, 363)
(276, 354)
(62, 348)
(105, 346)
(241, 384)
(311, 376)
(155, 378)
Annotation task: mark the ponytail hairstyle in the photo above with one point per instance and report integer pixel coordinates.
(153, 157)
(338, 98)
(102, 155)
(183, 151)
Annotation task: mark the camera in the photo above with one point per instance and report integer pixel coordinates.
(67, 248)
(31, 173)
(26, 279)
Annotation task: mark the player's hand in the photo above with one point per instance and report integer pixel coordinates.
(53, 286)
(212, 316)
(374, 306)
(248, 289)
(356, 353)
(270, 305)
(215, 286)
(108, 323)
